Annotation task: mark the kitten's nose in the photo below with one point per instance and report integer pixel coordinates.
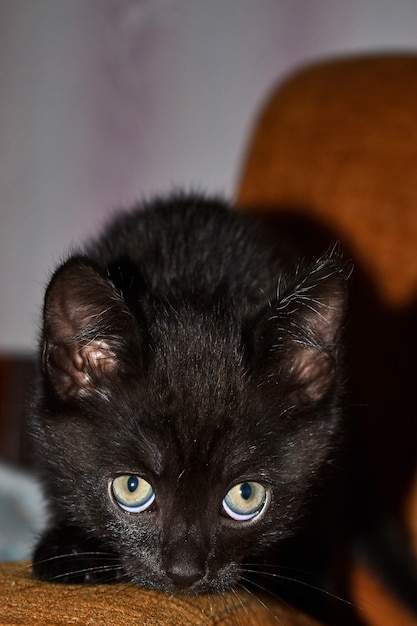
(184, 577)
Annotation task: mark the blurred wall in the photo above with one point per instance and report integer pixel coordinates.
(105, 101)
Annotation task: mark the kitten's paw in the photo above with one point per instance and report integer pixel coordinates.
(67, 555)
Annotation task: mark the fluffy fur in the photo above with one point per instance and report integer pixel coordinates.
(188, 348)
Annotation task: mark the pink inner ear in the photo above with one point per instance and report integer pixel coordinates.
(76, 369)
(313, 372)
(326, 322)
(90, 362)
(97, 356)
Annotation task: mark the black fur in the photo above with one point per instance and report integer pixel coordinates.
(189, 348)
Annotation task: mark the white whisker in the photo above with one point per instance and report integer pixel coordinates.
(261, 602)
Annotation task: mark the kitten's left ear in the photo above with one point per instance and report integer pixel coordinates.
(89, 331)
(297, 341)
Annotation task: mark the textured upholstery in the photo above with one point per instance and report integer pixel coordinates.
(26, 602)
(339, 140)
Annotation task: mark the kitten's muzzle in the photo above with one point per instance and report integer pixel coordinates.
(182, 577)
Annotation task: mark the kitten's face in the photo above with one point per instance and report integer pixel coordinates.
(186, 439)
(184, 489)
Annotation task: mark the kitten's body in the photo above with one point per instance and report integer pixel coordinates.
(189, 350)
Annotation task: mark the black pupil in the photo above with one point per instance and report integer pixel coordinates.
(132, 483)
(245, 491)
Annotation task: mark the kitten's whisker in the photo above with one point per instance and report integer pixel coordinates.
(242, 604)
(211, 605)
(261, 602)
(299, 581)
(265, 590)
(86, 570)
(78, 555)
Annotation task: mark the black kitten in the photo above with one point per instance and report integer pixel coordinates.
(190, 398)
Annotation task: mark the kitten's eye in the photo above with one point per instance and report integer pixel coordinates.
(245, 501)
(133, 493)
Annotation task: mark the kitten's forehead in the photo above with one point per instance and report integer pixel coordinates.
(192, 454)
(198, 361)
(193, 427)
(195, 416)
(191, 406)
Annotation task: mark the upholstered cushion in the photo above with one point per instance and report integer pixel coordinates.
(339, 140)
(28, 602)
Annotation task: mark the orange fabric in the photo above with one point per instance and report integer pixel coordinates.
(28, 602)
(339, 141)
(376, 607)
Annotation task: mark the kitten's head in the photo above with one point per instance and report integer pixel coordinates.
(186, 435)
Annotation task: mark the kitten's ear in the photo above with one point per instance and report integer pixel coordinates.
(297, 341)
(87, 329)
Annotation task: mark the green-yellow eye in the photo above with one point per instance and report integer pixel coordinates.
(245, 500)
(132, 493)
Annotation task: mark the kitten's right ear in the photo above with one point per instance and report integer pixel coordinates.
(297, 341)
(88, 332)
